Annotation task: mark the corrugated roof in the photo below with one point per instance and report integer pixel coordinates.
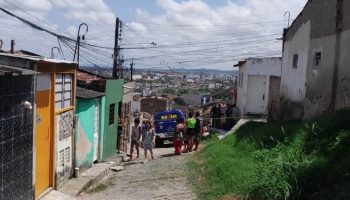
(88, 94)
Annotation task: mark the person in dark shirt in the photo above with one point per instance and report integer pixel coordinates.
(219, 115)
(214, 115)
(229, 118)
(197, 131)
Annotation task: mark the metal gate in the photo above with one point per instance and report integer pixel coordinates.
(96, 128)
(256, 95)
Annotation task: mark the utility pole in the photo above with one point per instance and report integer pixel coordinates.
(131, 70)
(116, 51)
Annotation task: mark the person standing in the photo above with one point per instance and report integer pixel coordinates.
(229, 117)
(218, 120)
(136, 132)
(214, 112)
(235, 115)
(198, 131)
(190, 124)
(148, 140)
(178, 136)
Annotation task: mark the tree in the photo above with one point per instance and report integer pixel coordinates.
(169, 91)
(179, 101)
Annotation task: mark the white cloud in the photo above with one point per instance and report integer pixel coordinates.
(214, 34)
(196, 33)
(26, 37)
(92, 11)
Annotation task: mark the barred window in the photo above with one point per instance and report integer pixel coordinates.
(63, 91)
(318, 58)
(111, 114)
(295, 60)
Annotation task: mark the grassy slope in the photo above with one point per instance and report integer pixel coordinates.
(306, 160)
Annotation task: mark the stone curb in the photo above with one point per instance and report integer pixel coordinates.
(90, 177)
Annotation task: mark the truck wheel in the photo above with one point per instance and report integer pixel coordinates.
(159, 143)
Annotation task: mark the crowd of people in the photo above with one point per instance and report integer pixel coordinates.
(186, 138)
(224, 116)
(188, 133)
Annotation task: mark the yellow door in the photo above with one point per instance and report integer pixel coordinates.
(43, 135)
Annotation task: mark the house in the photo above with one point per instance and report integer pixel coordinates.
(315, 68)
(54, 107)
(87, 129)
(17, 90)
(152, 105)
(126, 116)
(110, 106)
(211, 86)
(258, 84)
(196, 99)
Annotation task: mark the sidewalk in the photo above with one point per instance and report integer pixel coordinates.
(241, 122)
(90, 177)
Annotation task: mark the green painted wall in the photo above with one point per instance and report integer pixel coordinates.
(113, 95)
(84, 133)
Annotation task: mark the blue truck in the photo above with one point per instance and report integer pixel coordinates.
(165, 123)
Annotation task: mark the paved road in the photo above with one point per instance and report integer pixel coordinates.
(163, 178)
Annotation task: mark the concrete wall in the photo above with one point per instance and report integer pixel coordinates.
(259, 67)
(129, 92)
(293, 80)
(84, 133)
(113, 95)
(64, 161)
(343, 92)
(319, 78)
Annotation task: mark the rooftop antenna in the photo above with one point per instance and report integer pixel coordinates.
(285, 14)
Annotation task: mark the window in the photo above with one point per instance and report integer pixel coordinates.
(111, 114)
(318, 57)
(295, 60)
(63, 91)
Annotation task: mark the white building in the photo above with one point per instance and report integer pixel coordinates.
(137, 77)
(315, 70)
(211, 86)
(258, 84)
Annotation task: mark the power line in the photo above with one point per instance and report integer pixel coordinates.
(209, 25)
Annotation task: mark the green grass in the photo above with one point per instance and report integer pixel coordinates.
(280, 160)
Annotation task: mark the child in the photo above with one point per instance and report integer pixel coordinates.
(135, 138)
(148, 140)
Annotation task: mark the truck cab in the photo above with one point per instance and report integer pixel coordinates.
(165, 123)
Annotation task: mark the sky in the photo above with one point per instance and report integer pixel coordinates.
(213, 34)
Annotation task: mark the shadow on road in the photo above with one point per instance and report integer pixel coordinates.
(168, 155)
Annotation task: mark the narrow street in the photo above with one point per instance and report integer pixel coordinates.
(163, 178)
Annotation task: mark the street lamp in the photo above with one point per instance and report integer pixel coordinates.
(79, 37)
